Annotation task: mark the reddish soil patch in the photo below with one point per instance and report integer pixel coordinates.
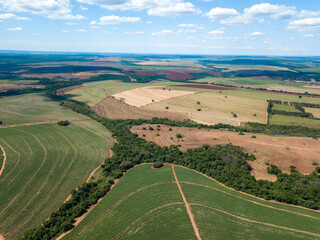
(280, 151)
(172, 74)
(114, 109)
(204, 87)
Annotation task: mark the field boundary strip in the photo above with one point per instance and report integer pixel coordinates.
(254, 221)
(261, 204)
(111, 207)
(19, 157)
(144, 215)
(39, 123)
(4, 160)
(193, 222)
(54, 188)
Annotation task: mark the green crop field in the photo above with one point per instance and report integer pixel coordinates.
(295, 121)
(92, 93)
(146, 204)
(33, 108)
(285, 108)
(44, 163)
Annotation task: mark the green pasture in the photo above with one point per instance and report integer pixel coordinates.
(44, 164)
(295, 121)
(287, 108)
(146, 204)
(33, 108)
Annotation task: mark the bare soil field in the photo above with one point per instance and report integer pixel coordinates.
(146, 95)
(315, 111)
(65, 76)
(280, 151)
(115, 109)
(172, 74)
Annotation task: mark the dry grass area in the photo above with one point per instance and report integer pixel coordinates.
(215, 108)
(293, 89)
(115, 109)
(146, 95)
(280, 151)
(315, 111)
(7, 86)
(66, 76)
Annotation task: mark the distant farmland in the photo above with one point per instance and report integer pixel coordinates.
(147, 204)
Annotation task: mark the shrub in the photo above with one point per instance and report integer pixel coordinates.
(150, 128)
(126, 165)
(1, 122)
(179, 135)
(293, 168)
(241, 133)
(167, 107)
(235, 115)
(63, 123)
(158, 135)
(198, 103)
(144, 128)
(158, 165)
(253, 136)
(199, 109)
(315, 162)
(318, 169)
(170, 129)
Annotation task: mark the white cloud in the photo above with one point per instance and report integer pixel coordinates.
(221, 13)
(309, 35)
(53, 9)
(108, 20)
(190, 25)
(162, 33)
(65, 31)
(256, 34)
(216, 32)
(81, 30)
(306, 13)
(71, 23)
(83, 8)
(186, 31)
(174, 10)
(148, 22)
(36, 34)
(272, 10)
(11, 16)
(306, 24)
(131, 33)
(15, 29)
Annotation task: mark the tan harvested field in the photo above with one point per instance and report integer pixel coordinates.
(315, 111)
(215, 108)
(7, 86)
(293, 89)
(65, 76)
(147, 95)
(280, 151)
(115, 109)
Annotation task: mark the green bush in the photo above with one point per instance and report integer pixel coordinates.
(158, 165)
(63, 123)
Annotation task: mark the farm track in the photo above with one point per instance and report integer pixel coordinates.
(114, 205)
(19, 157)
(144, 215)
(33, 176)
(193, 222)
(55, 187)
(4, 159)
(254, 221)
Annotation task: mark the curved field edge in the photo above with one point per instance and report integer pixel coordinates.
(45, 163)
(101, 217)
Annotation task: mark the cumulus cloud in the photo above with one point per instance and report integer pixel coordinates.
(271, 10)
(221, 13)
(81, 30)
(255, 34)
(162, 33)
(174, 10)
(305, 24)
(109, 20)
(53, 9)
(132, 33)
(11, 16)
(309, 35)
(191, 25)
(216, 32)
(15, 29)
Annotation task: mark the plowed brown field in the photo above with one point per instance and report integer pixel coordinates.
(280, 151)
(115, 109)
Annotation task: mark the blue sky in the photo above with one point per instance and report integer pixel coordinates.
(251, 27)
